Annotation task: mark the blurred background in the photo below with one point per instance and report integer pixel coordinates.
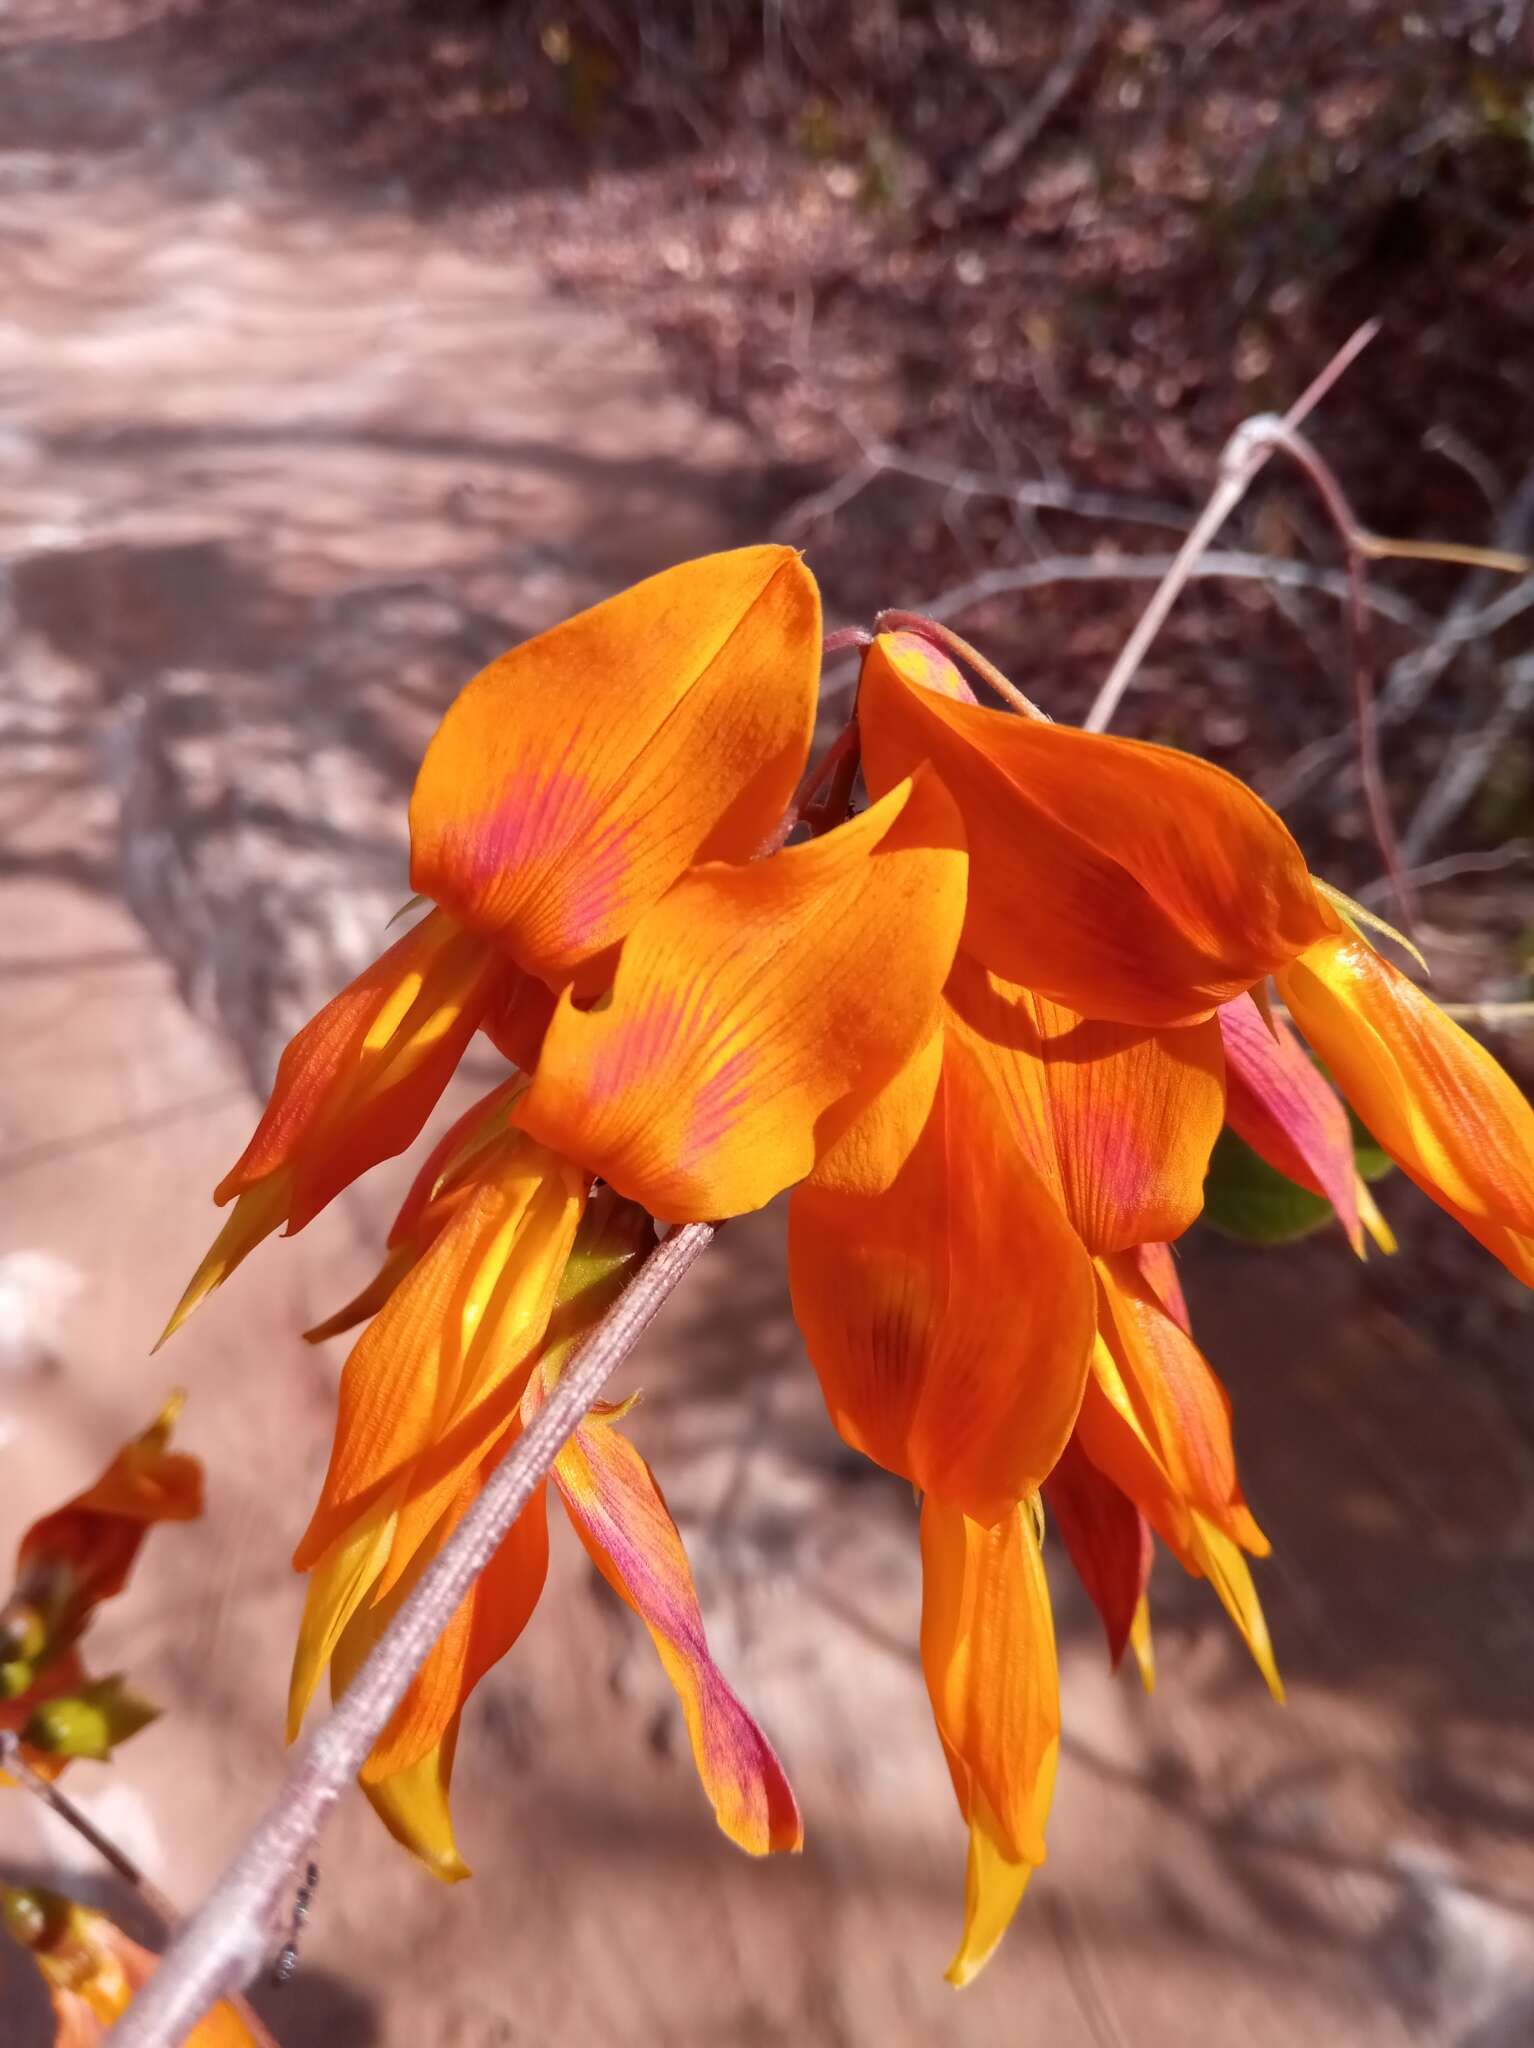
(343, 346)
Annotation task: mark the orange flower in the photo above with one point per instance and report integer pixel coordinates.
(579, 776)
(571, 784)
(988, 1031)
(408, 1464)
(92, 1969)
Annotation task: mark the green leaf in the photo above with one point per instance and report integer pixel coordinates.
(1246, 1198)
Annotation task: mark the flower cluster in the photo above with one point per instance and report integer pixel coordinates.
(987, 1028)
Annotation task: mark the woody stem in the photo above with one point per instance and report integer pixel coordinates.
(222, 1946)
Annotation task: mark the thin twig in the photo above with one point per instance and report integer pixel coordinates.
(1355, 544)
(14, 1760)
(1455, 865)
(1248, 448)
(222, 1945)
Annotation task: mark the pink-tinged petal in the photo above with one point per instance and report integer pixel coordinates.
(579, 776)
(1108, 1539)
(622, 1519)
(1158, 1268)
(1279, 1104)
(756, 1011)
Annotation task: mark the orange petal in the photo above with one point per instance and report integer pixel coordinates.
(1436, 1101)
(413, 1805)
(988, 1652)
(1158, 1265)
(950, 1313)
(756, 1011)
(1108, 1539)
(1118, 1120)
(575, 779)
(622, 1519)
(1128, 881)
(486, 1623)
(354, 1087)
(1279, 1104)
(437, 1376)
(1173, 1396)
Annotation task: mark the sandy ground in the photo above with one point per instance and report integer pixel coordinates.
(274, 484)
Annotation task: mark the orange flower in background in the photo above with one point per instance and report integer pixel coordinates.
(71, 1560)
(67, 1564)
(92, 1969)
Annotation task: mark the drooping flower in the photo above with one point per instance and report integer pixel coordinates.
(367, 1547)
(92, 1970)
(569, 786)
(987, 1030)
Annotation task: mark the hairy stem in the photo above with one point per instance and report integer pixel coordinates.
(221, 1947)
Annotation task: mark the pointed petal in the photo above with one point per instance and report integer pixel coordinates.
(255, 1215)
(1177, 1402)
(741, 1038)
(988, 1652)
(575, 779)
(1436, 1101)
(1144, 1649)
(1230, 1575)
(341, 1581)
(949, 1316)
(1108, 1540)
(994, 1880)
(413, 1806)
(436, 1377)
(355, 1086)
(485, 1625)
(1119, 1120)
(1128, 881)
(622, 1519)
(1279, 1104)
